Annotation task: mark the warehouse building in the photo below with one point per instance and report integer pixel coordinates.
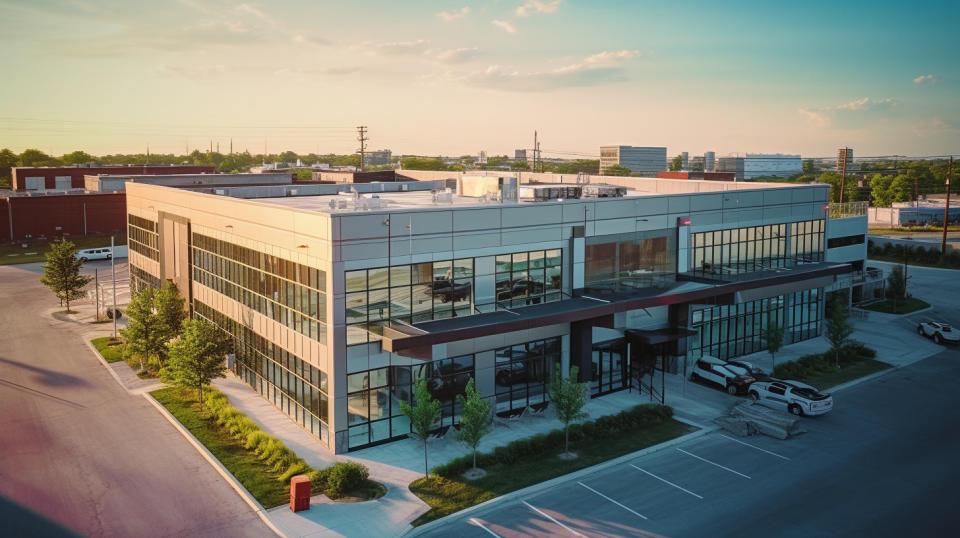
(342, 297)
(73, 177)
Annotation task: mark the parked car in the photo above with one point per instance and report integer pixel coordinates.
(95, 254)
(715, 371)
(748, 369)
(792, 396)
(940, 332)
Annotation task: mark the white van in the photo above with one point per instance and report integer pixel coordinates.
(95, 254)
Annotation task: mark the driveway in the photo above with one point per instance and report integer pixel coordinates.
(878, 465)
(81, 451)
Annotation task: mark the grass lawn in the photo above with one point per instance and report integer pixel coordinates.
(259, 478)
(446, 496)
(848, 372)
(109, 347)
(11, 253)
(910, 230)
(904, 306)
(913, 261)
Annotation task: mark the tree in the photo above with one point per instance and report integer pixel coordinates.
(880, 190)
(8, 160)
(61, 273)
(154, 318)
(77, 157)
(676, 163)
(616, 170)
(197, 357)
(520, 165)
(168, 306)
(773, 335)
(808, 167)
(35, 157)
(474, 418)
(838, 328)
(833, 179)
(896, 286)
(568, 396)
(423, 415)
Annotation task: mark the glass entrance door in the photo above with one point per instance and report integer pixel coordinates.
(610, 367)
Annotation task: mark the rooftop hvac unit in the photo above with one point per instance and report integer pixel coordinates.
(220, 192)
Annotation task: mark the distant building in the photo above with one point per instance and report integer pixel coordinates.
(72, 177)
(845, 158)
(684, 160)
(649, 160)
(379, 157)
(710, 176)
(697, 163)
(520, 155)
(756, 165)
(709, 161)
(482, 158)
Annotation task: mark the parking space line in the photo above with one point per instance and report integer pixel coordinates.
(756, 447)
(537, 510)
(712, 463)
(613, 501)
(666, 481)
(475, 521)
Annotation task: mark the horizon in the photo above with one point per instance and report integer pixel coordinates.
(451, 79)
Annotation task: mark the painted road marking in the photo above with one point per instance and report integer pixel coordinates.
(613, 501)
(666, 481)
(475, 521)
(756, 447)
(537, 510)
(712, 463)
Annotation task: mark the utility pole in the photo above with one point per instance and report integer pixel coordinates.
(231, 145)
(96, 288)
(535, 146)
(843, 173)
(113, 272)
(946, 210)
(362, 137)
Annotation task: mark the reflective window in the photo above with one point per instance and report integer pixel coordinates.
(525, 278)
(523, 374)
(630, 260)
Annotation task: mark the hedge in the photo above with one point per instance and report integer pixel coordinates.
(604, 427)
(915, 254)
(810, 365)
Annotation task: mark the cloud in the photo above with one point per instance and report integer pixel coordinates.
(456, 56)
(454, 14)
(936, 126)
(925, 79)
(852, 112)
(193, 72)
(311, 40)
(312, 71)
(506, 26)
(397, 48)
(534, 6)
(602, 68)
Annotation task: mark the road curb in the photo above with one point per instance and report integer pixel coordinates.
(536, 488)
(215, 463)
(105, 364)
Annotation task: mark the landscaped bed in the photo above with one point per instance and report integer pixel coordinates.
(903, 306)
(820, 369)
(260, 462)
(110, 348)
(530, 461)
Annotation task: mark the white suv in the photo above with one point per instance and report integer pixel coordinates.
(103, 253)
(716, 371)
(793, 396)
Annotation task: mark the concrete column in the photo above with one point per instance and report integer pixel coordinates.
(581, 347)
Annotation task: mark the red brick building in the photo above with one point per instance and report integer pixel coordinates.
(71, 177)
(55, 214)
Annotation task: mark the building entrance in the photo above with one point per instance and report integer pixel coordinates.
(610, 367)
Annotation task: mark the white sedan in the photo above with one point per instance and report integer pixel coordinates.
(793, 396)
(940, 332)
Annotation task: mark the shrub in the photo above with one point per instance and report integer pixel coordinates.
(227, 413)
(280, 457)
(297, 467)
(255, 439)
(241, 426)
(268, 448)
(345, 476)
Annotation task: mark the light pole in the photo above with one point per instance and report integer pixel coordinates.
(113, 273)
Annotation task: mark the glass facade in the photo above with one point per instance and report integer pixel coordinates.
(631, 260)
(287, 292)
(727, 331)
(292, 384)
(142, 237)
(610, 367)
(523, 374)
(373, 397)
(409, 293)
(140, 279)
(525, 278)
(756, 248)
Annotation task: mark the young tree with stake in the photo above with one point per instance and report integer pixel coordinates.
(568, 397)
(838, 328)
(474, 419)
(423, 415)
(61, 273)
(773, 335)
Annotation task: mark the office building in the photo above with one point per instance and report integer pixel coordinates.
(845, 159)
(520, 155)
(685, 160)
(341, 297)
(756, 165)
(643, 160)
(378, 157)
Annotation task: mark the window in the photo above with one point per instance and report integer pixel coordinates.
(631, 260)
(846, 241)
(525, 278)
(523, 374)
(728, 331)
(778, 390)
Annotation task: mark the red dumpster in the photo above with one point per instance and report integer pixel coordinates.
(299, 493)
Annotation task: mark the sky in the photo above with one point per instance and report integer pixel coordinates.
(455, 78)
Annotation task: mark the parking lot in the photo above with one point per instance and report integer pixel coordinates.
(869, 452)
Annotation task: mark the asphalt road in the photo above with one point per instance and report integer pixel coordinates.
(79, 450)
(883, 463)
